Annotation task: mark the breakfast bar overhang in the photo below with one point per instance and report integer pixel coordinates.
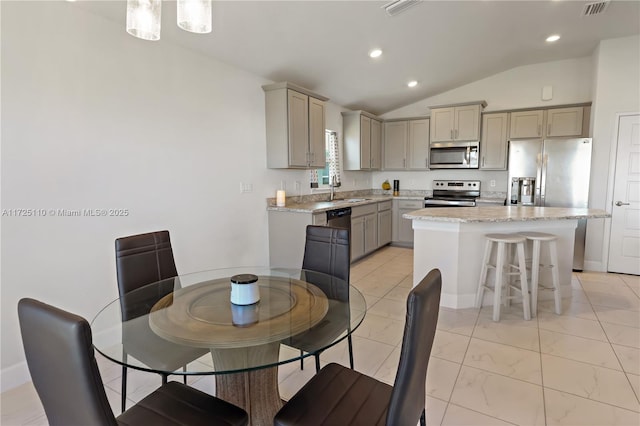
(452, 239)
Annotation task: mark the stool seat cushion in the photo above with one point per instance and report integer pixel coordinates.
(541, 236)
(506, 238)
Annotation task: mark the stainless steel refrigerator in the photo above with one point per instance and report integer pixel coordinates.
(552, 173)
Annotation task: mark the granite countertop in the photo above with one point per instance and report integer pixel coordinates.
(323, 206)
(503, 214)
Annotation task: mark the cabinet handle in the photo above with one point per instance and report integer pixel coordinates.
(483, 161)
(451, 133)
(539, 129)
(426, 163)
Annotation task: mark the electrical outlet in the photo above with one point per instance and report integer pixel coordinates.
(492, 183)
(246, 187)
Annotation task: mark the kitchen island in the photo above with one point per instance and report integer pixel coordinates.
(452, 240)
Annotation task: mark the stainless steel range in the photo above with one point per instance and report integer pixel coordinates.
(453, 193)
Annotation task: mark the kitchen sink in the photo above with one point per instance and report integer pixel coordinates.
(350, 200)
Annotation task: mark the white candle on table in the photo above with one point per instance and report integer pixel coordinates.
(280, 198)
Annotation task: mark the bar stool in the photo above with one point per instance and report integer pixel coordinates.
(505, 243)
(537, 238)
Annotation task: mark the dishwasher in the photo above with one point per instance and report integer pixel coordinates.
(339, 218)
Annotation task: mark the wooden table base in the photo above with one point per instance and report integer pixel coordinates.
(256, 391)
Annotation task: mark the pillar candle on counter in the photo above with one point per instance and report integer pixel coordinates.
(280, 198)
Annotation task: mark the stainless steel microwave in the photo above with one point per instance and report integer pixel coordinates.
(454, 155)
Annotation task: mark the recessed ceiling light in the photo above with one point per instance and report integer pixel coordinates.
(412, 83)
(553, 38)
(375, 53)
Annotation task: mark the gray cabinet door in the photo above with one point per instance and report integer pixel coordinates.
(376, 144)
(442, 122)
(419, 144)
(493, 144)
(370, 232)
(395, 142)
(564, 122)
(384, 227)
(526, 124)
(357, 237)
(467, 123)
(317, 150)
(298, 111)
(365, 142)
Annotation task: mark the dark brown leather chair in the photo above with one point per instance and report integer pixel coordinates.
(61, 360)
(141, 260)
(340, 396)
(328, 252)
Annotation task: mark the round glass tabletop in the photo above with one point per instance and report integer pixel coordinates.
(188, 325)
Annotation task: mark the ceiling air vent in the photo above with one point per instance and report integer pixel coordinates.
(399, 6)
(597, 8)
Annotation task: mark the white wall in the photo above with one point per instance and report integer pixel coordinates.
(95, 118)
(519, 87)
(616, 90)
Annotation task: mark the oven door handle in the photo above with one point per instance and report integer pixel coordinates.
(450, 203)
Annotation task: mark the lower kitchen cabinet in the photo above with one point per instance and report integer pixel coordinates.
(364, 230)
(370, 233)
(402, 230)
(385, 220)
(357, 237)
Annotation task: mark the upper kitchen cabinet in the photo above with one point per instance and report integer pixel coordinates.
(526, 124)
(396, 135)
(456, 122)
(493, 144)
(560, 122)
(406, 144)
(418, 144)
(362, 140)
(564, 122)
(295, 122)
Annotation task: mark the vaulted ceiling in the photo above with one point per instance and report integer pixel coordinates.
(324, 45)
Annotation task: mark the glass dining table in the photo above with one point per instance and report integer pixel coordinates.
(299, 313)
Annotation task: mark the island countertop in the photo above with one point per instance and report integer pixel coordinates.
(503, 214)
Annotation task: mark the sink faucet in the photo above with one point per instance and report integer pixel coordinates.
(332, 187)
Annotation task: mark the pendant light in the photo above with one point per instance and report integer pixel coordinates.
(195, 16)
(143, 19)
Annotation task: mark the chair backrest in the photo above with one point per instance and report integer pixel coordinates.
(141, 260)
(327, 251)
(408, 396)
(59, 352)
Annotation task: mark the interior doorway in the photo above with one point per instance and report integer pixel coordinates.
(624, 241)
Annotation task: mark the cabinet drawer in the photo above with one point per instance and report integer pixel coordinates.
(363, 210)
(411, 204)
(384, 205)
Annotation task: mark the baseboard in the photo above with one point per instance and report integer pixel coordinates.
(14, 376)
(595, 266)
(457, 301)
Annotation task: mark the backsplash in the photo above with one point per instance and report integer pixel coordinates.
(324, 196)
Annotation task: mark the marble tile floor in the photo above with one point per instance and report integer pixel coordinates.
(578, 368)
